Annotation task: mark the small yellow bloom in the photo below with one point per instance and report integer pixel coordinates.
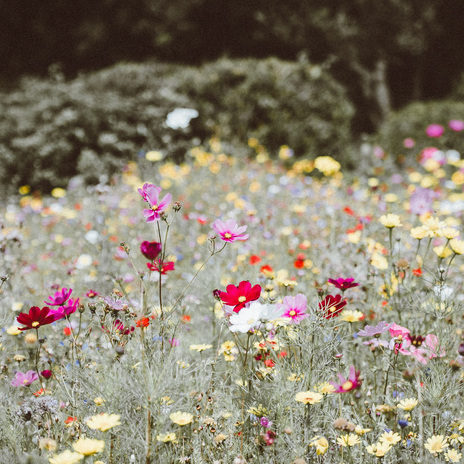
(434, 227)
(325, 387)
(351, 315)
(379, 449)
(360, 431)
(181, 418)
(66, 457)
(309, 397)
(327, 165)
(436, 444)
(390, 221)
(408, 404)
(321, 445)
(88, 446)
(13, 330)
(453, 455)
(58, 192)
(220, 438)
(418, 232)
(379, 261)
(442, 251)
(390, 437)
(450, 232)
(99, 401)
(457, 246)
(200, 348)
(48, 443)
(104, 421)
(350, 439)
(167, 437)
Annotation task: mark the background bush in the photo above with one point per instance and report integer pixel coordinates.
(51, 130)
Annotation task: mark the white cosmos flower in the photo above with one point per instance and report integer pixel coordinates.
(180, 118)
(248, 318)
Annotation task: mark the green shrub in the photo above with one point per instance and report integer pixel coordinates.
(412, 122)
(51, 130)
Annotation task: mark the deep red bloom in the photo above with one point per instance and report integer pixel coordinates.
(36, 318)
(332, 306)
(343, 284)
(46, 374)
(298, 264)
(150, 250)
(166, 267)
(239, 296)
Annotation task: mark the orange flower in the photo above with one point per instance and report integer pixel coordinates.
(417, 272)
(186, 318)
(143, 322)
(254, 259)
(70, 420)
(298, 264)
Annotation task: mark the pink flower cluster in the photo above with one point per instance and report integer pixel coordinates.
(66, 305)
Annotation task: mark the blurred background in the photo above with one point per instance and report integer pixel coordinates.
(86, 83)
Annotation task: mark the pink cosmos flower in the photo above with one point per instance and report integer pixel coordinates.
(239, 296)
(63, 311)
(59, 297)
(294, 308)
(456, 125)
(409, 143)
(351, 383)
(24, 379)
(401, 340)
(343, 284)
(229, 231)
(370, 331)
(150, 193)
(423, 352)
(435, 130)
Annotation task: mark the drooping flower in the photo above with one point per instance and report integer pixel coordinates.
(166, 267)
(151, 194)
(181, 418)
(24, 379)
(88, 446)
(343, 284)
(239, 296)
(331, 306)
(229, 231)
(150, 250)
(352, 383)
(104, 421)
(59, 298)
(35, 318)
(294, 308)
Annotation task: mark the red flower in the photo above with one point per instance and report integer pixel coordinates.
(267, 270)
(143, 322)
(417, 272)
(332, 306)
(70, 420)
(166, 267)
(299, 264)
(239, 296)
(36, 318)
(254, 259)
(348, 211)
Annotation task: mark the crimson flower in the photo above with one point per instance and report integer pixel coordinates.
(332, 306)
(59, 297)
(36, 318)
(150, 250)
(351, 383)
(165, 267)
(343, 284)
(239, 296)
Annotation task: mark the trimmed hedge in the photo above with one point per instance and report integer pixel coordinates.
(51, 130)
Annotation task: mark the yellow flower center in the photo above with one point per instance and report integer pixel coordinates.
(227, 235)
(154, 207)
(35, 324)
(241, 299)
(25, 381)
(292, 313)
(348, 385)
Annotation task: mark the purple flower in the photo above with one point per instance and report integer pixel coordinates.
(421, 200)
(435, 130)
(229, 231)
(150, 193)
(375, 342)
(265, 422)
(456, 125)
(59, 297)
(370, 331)
(294, 308)
(23, 380)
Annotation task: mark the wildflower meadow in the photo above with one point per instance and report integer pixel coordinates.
(228, 310)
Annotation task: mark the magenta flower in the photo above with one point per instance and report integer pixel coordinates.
(59, 297)
(150, 193)
(229, 231)
(239, 296)
(46, 374)
(435, 130)
(456, 125)
(343, 284)
(409, 143)
(351, 383)
(294, 308)
(63, 311)
(24, 379)
(150, 249)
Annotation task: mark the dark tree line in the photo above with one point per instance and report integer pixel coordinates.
(386, 52)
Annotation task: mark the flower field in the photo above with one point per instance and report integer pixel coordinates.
(238, 311)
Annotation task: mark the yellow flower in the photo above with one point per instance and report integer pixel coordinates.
(418, 232)
(360, 431)
(436, 444)
(453, 456)
(390, 221)
(321, 445)
(58, 192)
(181, 418)
(408, 404)
(379, 449)
(327, 165)
(48, 443)
(103, 421)
(442, 251)
(309, 397)
(325, 387)
(167, 437)
(13, 330)
(390, 437)
(450, 232)
(220, 438)
(88, 446)
(457, 246)
(348, 440)
(99, 401)
(434, 227)
(66, 457)
(351, 315)
(154, 156)
(379, 261)
(200, 348)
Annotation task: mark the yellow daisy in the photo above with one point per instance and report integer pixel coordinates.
(103, 421)
(309, 397)
(436, 444)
